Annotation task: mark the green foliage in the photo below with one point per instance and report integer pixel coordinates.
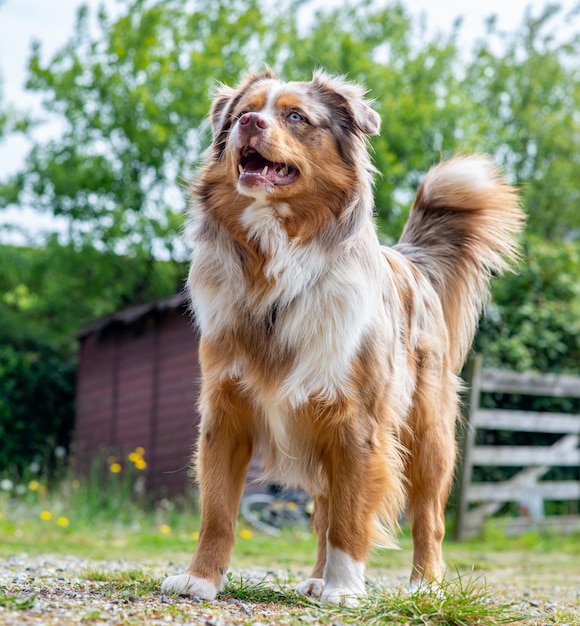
(36, 404)
(49, 294)
(135, 91)
(533, 322)
(413, 79)
(526, 86)
(133, 99)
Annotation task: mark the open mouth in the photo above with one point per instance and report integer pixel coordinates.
(254, 168)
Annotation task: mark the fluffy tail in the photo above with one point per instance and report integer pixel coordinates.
(463, 229)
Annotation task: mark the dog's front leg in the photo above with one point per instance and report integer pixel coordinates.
(314, 586)
(358, 478)
(347, 538)
(224, 454)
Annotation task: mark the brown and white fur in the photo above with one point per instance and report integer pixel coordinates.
(333, 357)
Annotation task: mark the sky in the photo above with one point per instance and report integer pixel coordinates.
(52, 23)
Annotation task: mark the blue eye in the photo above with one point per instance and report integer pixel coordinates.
(295, 117)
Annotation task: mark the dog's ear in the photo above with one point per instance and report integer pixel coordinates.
(220, 108)
(348, 100)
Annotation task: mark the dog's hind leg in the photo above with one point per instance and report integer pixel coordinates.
(429, 471)
(224, 454)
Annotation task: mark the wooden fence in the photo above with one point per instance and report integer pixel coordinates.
(478, 501)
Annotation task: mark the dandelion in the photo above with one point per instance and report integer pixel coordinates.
(75, 484)
(195, 535)
(45, 516)
(111, 459)
(165, 529)
(60, 452)
(34, 467)
(246, 534)
(21, 490)
(115, 468)
(33, 485)
(6, 484)
(136, 457)
(63, 522)
(140, 464)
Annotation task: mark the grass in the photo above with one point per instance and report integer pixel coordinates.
(456, 602)
(15, 602)
(105, 517)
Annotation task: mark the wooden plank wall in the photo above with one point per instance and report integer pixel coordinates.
(137, 385)
(479, 501)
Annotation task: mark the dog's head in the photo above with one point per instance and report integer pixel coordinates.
(286, 140)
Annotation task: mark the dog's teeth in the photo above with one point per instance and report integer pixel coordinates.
(240, 169)
(265, 170)
(283, 171)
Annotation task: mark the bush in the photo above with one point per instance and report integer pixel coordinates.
(533, 321)
(36, 403)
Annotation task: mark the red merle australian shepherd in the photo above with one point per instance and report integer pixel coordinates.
(332, 357)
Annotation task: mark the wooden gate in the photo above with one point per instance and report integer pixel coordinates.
(478, 501)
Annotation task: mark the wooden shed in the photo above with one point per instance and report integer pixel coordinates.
(138, 382)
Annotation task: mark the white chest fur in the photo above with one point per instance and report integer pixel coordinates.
(323, 299)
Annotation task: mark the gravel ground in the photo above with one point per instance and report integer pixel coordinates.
(61, 590)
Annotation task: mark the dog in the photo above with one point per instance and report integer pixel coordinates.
(334, 358)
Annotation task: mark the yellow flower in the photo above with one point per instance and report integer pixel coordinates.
(111, 459)
(134, 457)
(195, 535)
(165, 529)
(246, 534)
(45, 516)
(62, 521)
(115, 468)
(139, 450)
(140, 464)
(34, 485)
(75, 484)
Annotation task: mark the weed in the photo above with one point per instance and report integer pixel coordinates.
(128, 584)
(14, 602)
(459, 601)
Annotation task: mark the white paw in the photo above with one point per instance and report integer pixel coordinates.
(341, 595)
(345, 578)
(311, 587)
(419, 585)
(188, 585)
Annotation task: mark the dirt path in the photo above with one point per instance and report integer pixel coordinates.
(56, 590)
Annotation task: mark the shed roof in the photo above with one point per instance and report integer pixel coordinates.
(133, 314)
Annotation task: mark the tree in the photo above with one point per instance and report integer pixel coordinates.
(133, 99)
(414, 81)
(526, 85)
(48, 294)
